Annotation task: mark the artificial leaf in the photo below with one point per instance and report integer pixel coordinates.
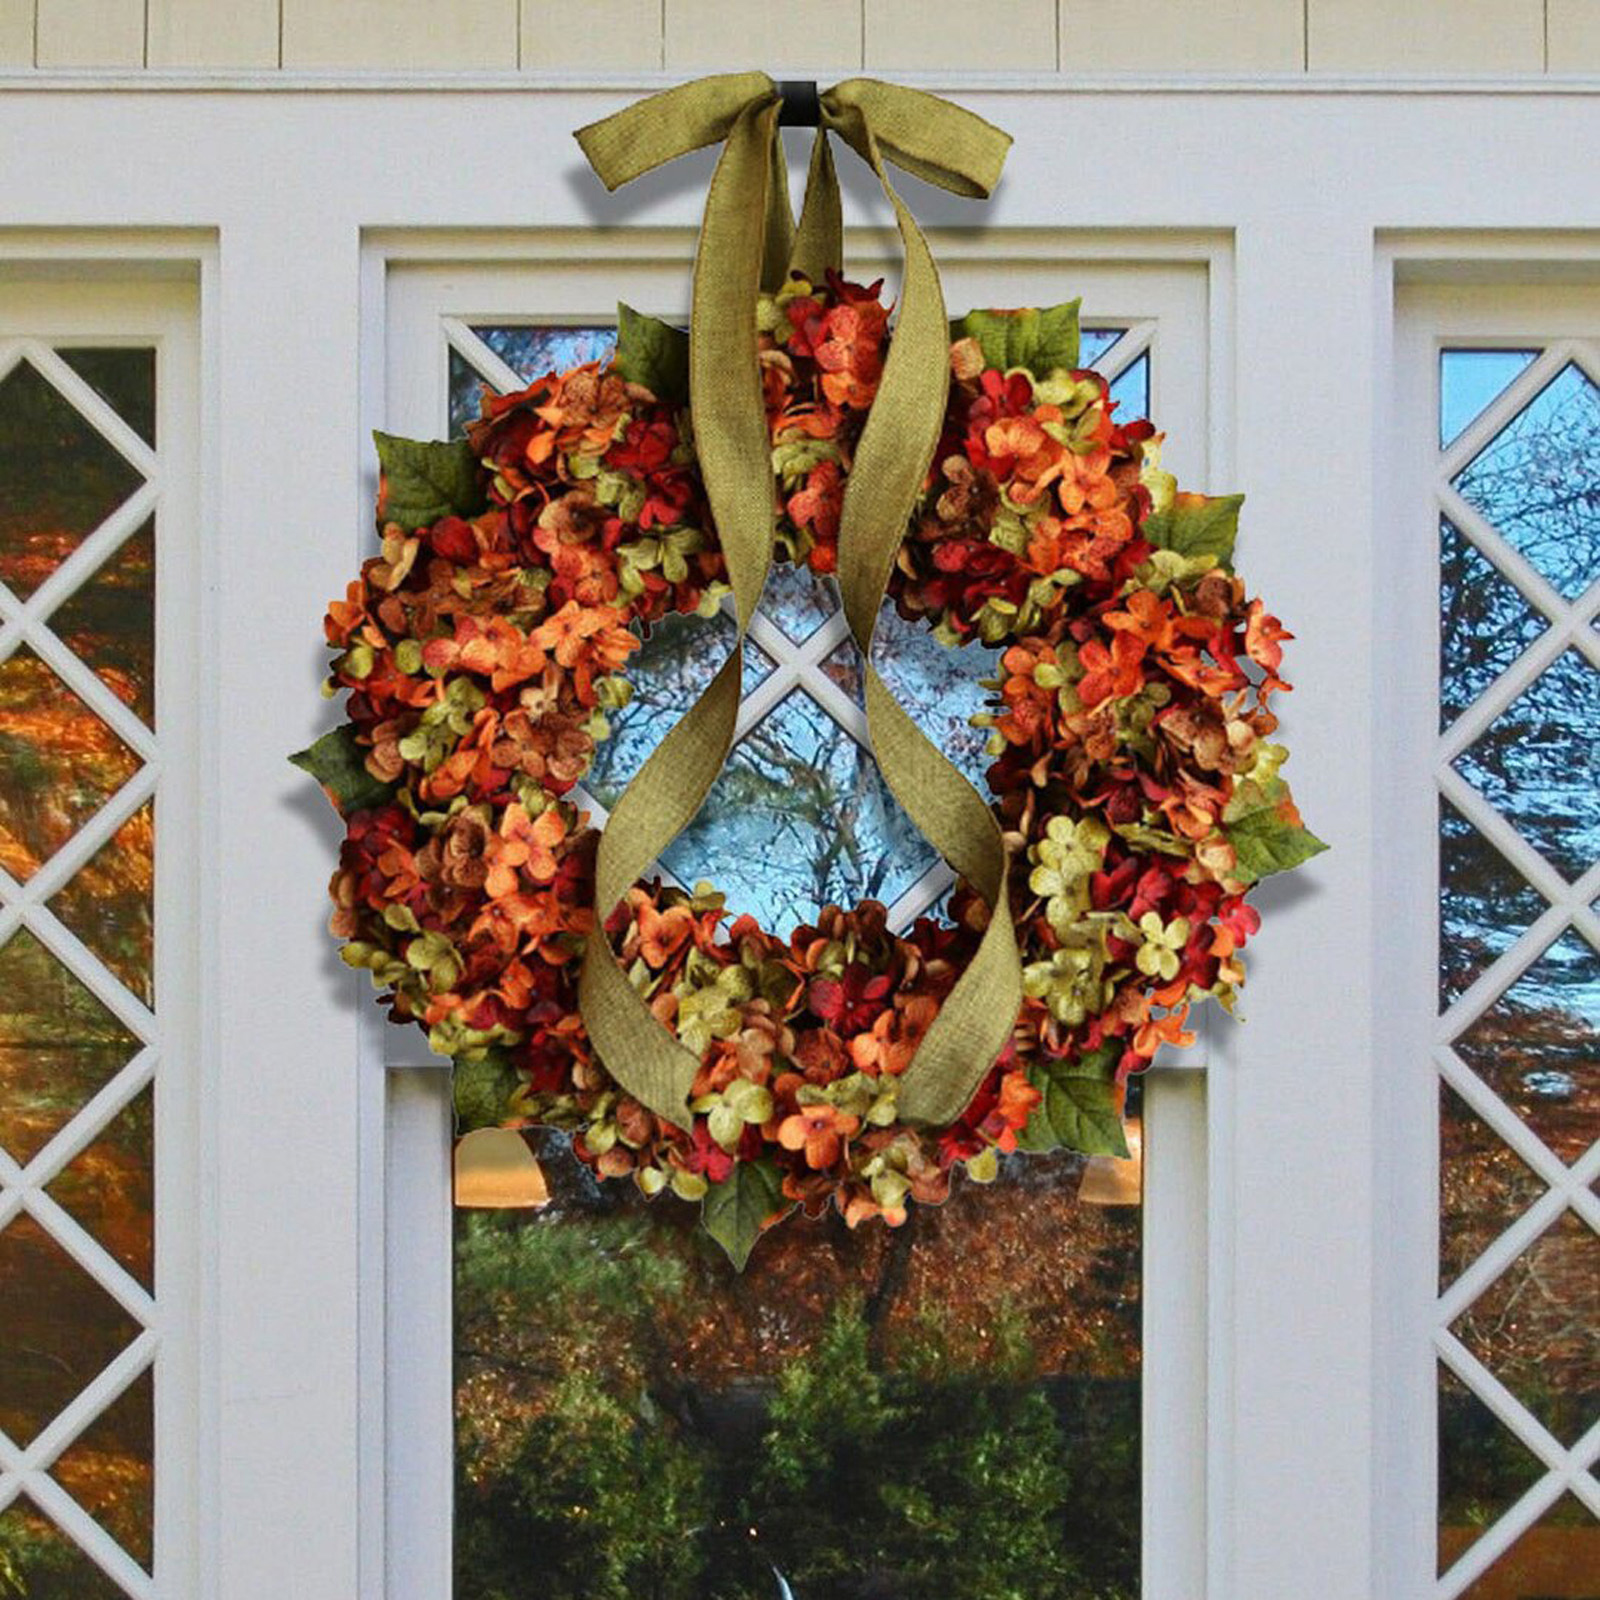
(424, 480)
(736, 1210)
(338, 763)
(1081, 1109)
(1040, 342)
(653, 353)
(1197, 525)
(1270, 837)
(482, 1089)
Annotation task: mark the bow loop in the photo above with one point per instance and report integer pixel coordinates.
(932, 139)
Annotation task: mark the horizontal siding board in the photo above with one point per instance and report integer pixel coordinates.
(1183, 36)
(90, 33)
(213, 33)
(388, 35)
(623, 35)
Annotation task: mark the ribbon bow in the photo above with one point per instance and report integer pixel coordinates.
(748, 242)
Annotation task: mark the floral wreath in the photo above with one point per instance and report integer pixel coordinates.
(1134, 776)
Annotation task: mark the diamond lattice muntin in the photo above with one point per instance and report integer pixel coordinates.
(1519, 970)
(77, 703)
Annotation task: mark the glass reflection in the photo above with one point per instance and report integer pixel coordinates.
(1556, 1559)
(941, 688)
(59, 763)
(797, 600)
(40, 1562)
(59, 1046)
(1483, 1186)
(110, 622)
(1485, 905)
(1537, 760)
(1535, 481)
(634, 1419)
(58, 1328)
(530, 352)
(125, 378)
(1484, 1469)
(109, 1187)
(800, 818)
(59, 479)
(1537, 1328)
(1538, 1046)
(1470, 381)
(1130, 389)
(109, 1469)
(1484, 623)
(109, 903)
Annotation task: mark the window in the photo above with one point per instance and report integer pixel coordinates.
(573, 1323)
(96, 1330)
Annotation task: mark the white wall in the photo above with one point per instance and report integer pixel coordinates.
(1405, 37)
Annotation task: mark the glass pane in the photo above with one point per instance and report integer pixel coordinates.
(59, 479)
(1483, 1186)
(110, 622)
(1556, 1559)
(58, 1046)
(41, 1563)
(668, 673)
(800, 818)
(1470, 380)
(798, 601)
(1484, 904)
(109, 1187)
(1537, 1328)
(110, 903)
(125, 379)
(59, 763)
(58, 1328)
(1536, 764)
(109, 1469)
(1094, 342)
(941, 688)
(530, 352)
(1533, 482)
(1538, 1046)
(1131, 390)
(1484, 623)
(1484, 1469)
(633, 1419)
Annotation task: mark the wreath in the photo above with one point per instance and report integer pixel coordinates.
(1135, 782)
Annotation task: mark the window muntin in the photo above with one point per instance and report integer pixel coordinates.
(1518, 1048)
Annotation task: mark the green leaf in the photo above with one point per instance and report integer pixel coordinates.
(735, 1210)
(424, 480)
(481, 1090)
(1040, 342)
(1197, 525)
(1079, 1110)
(653, 353)
(338, 763)
(1270, 838)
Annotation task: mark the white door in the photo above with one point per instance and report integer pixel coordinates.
(1289, 265)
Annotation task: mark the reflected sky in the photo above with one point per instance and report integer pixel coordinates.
(1469, 380)
(1538, 481)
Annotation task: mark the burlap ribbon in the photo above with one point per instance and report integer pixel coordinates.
(747, 243)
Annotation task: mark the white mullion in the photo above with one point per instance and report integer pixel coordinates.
(1501, 1534)
(84, 965)
(97, 1396)
(1134, 341)
(91, 1255)
(922, 894)
(96, 410)
(1506, 406)
(1572, 1181)
(18, 899)
(1507, 1408)
(490, 367)
(87, 1124)
(90, 1537)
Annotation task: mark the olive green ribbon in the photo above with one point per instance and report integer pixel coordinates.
(747, 242)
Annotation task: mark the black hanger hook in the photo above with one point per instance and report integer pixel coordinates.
(802, 104)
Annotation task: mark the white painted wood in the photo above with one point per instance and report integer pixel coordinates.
(212, 33)
(1183, 36)
(1425, 36)
(399, 33)
(16, 33)
(1526, 299)
(1573, 36)
(1010, 33)
(47, 302)
(89, 33)
(1304, 1146)
(707, 35)
(608, 35)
